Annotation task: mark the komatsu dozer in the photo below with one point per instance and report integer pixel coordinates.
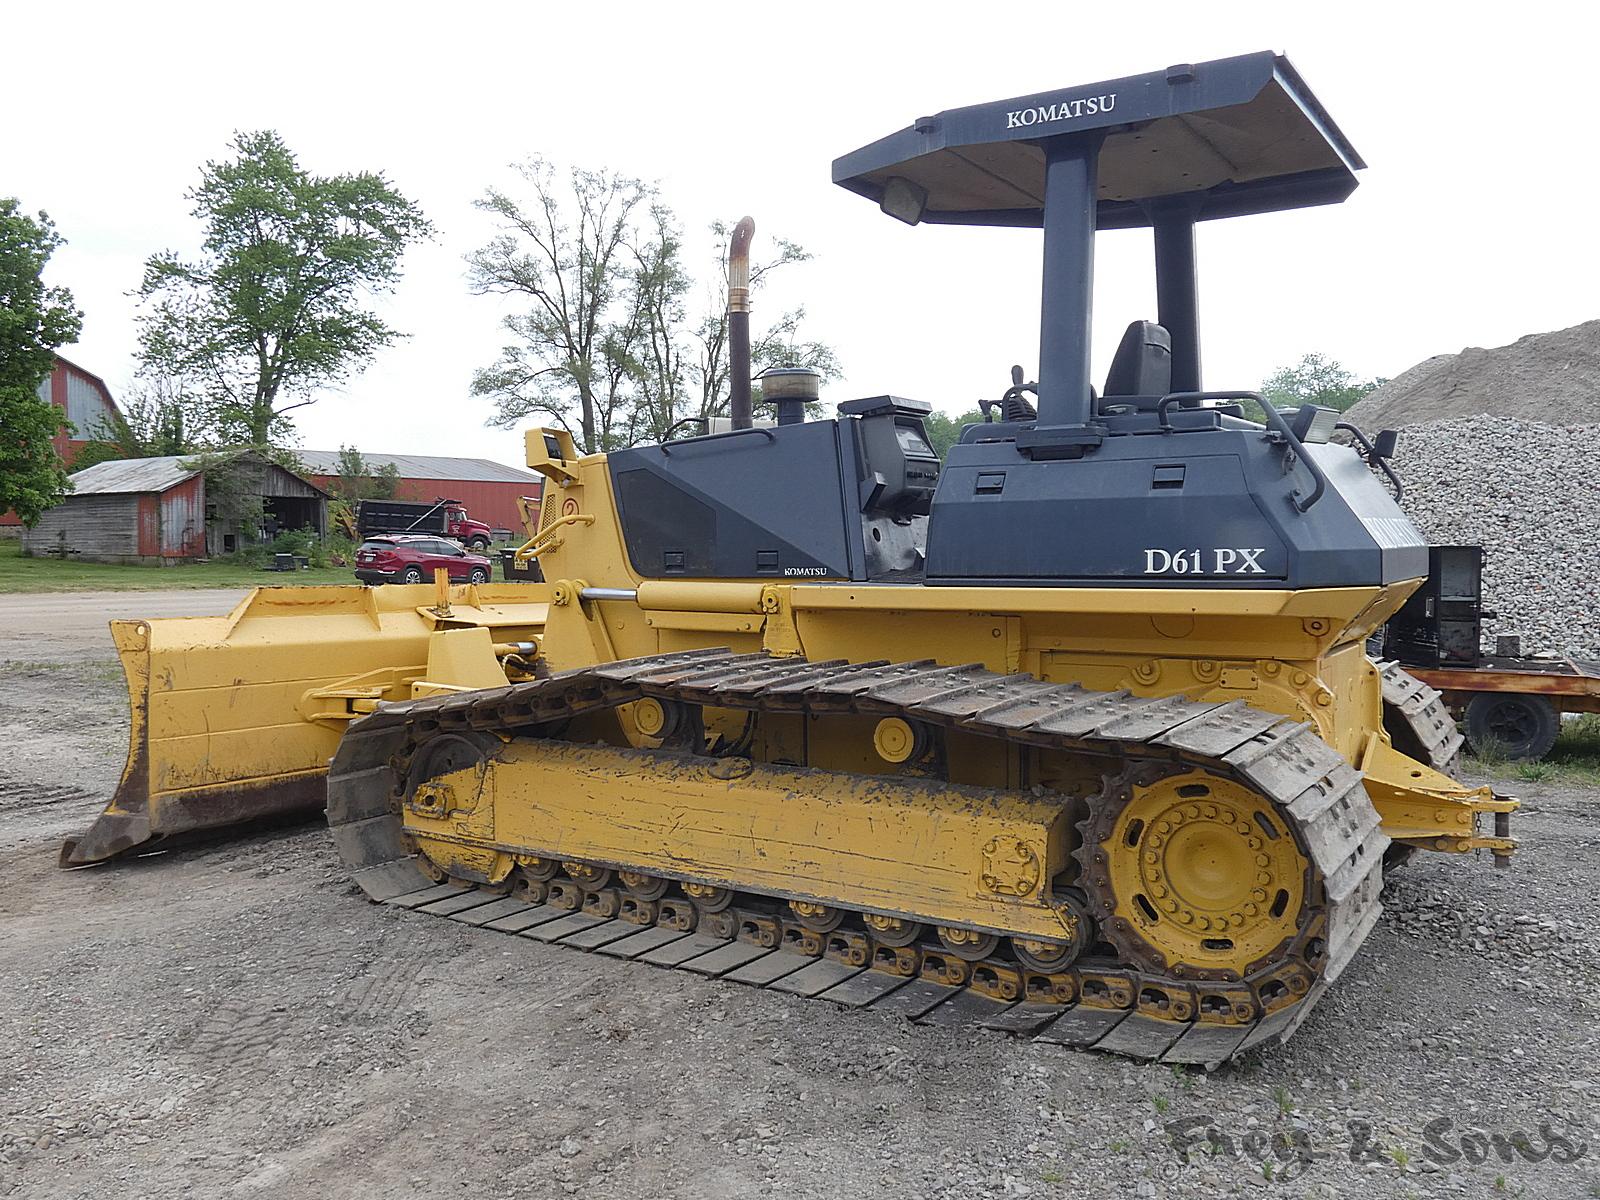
(1072, 734)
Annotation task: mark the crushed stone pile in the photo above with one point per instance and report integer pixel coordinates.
(1529, 493)
(1552, 377)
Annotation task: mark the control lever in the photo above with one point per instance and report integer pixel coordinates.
(1012, 406)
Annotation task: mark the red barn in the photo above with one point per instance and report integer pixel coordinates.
(87, 401)
(488, 489)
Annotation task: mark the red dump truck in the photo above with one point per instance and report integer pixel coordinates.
(445, 518)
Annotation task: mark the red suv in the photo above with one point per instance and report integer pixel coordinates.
(411, 558)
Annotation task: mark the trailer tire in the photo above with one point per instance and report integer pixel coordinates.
(1521, 727)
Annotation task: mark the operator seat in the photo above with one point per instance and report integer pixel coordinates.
(1141, 369)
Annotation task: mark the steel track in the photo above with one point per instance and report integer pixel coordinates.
(1423, 712)
(1102, 1004)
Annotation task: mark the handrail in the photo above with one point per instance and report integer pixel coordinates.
(706, 437)
(540, 542)
(1275, 422)
(1383, 463)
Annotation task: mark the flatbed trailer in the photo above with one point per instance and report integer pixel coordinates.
(1516, 702)
(1507, 701)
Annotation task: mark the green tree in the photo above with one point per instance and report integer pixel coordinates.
(1316, 379)
(233, 489)
(944, 430)
(35, 320)
(275, 306)
(612, 343)
(357, 480)
(360, 480)
(564, 255)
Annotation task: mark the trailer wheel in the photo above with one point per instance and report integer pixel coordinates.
(1523, 727)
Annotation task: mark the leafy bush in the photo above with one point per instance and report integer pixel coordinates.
(336, 550)
(294, 541)
(250, 555)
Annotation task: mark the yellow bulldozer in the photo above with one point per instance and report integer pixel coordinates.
(1072, 733)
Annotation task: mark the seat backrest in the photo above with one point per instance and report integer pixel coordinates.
(1142, 365)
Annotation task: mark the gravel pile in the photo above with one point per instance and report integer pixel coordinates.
(1529, 494)
(1552, 377)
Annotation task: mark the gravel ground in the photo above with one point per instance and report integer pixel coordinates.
(236, 1020)
(1524, 491)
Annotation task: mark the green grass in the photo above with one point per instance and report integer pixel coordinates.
(1574, 758)
(19, 574)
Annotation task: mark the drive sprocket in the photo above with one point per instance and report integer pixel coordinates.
(1191, 874)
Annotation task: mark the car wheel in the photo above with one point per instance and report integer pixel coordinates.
(412, 575)
(479, 575)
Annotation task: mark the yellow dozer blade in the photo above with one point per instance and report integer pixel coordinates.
(232, 720)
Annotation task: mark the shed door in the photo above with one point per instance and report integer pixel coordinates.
(150, 525)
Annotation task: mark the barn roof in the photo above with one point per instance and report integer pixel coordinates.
(424, 466)
(125, 475)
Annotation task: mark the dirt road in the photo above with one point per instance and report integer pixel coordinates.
(40, 626)
(238, 1021)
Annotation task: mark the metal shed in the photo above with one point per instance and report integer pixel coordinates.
(154, 511)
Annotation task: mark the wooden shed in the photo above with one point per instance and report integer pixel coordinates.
(154, 511)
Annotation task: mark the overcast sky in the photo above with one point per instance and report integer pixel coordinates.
(1473, 224)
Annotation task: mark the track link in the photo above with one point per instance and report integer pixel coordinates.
(1419, 720)
(1105, 1004)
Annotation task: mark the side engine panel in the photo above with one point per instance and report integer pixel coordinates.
(842, 499)
(1204, 508)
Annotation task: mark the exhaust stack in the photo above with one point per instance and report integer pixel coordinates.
(739, 324)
